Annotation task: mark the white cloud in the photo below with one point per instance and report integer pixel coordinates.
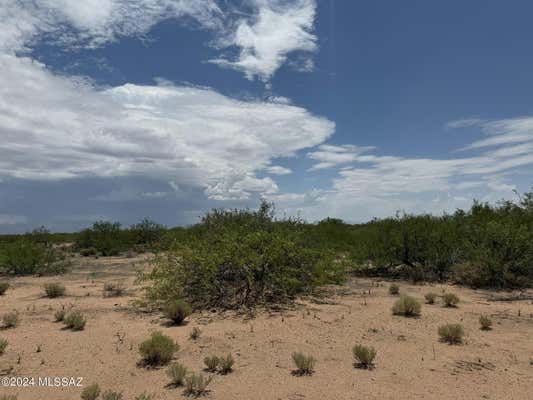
(331, 156)
(278, 170)
(265, 40)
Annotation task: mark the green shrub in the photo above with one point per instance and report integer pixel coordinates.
(8, 397)
(451, 333)
(177, 311)
(407, 306)
(225, 364)
(112, 395)
(195, 333)
(304, 364)
(75, 321)
(53, 290)
(211, 363)
(91, 392)
(196, 385)
(59, 315)
(24, 256)
(364, 356)
(450, 300)
(3, 287)
(11, 319)
(176, 372)
(158, 350)
(430, 297)
(105, 237)
(3, 346)
(113, 289)
(486, 322)
(394, 289)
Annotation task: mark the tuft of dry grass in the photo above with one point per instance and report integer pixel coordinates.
(177, 311)
(195, 333)
(305, 364)
(91, 392)
(430, 297)
(11, 319)
(226, 364)
(3, 345)
(75, 321)
(53, 290)
(176, 372)
(113, 289)
(3, 288)
(158, 350)
(486, 322)
(451, 333)
(450, 300)
(211, 363)
(407, 306)
(196, 385)
(394, 289)
(364, 356)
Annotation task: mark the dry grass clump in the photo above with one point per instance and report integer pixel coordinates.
(75, 321)
(407, 306)
(59, 315)
(486, 322)
(3, 287)
(196, 385)
(305, 364)
(3, 346)
(176, 372)
(430, 297)
(112, 395)
(195, 333)
(451, 333)
(8, 397)
(211, 363)
(53, 290)
(364, 356)
(450, 300)
(394, 289)
(91, 392)
(177, 311)
(225, 364)
(158, 350)
(114, 289)
(144, 396)
(11, 319)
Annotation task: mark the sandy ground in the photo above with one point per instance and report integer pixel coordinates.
(411, 362)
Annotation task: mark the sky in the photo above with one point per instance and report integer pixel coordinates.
(124, 109)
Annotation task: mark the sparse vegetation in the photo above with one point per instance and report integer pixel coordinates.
(8, 397)
(305, 364)
(113, 289)
(394, 289)
(91, 392)
(407, 306)
(430, 297)
(450, 300)
(75, 321)
(158, 350)
(364, 356)
(211, 363)
(59, 315)
(176, 372)
(226, 364)
(451, 333)
(195, 333)
(3, 288)
(144, 396)
(196, 384)
(3, 345)
(486, 322)
(11, 319)
(177, 311)
(112, 395)
(53, 290)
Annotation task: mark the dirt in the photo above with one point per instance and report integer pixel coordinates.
(411, 362)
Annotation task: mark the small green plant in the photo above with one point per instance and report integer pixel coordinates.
(486, 322)
(394, 289)
(144, 396)
(430, 297)
(75, 321)
(211, 363)
(177, 311)
(364, 356)
(3, 346)
(112, 395)
(226, 364)
(450, 300)
(53, 290)
(407, 306)
(11, 319)
(176, 372)
(59, 315)
(91, 392)
(304, 364)
(3, 287)
(451, 333)
(195, 333)
(196, 385)
(113, 289)
(8, 397)
(158, 350)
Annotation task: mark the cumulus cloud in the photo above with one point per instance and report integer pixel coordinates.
(278, 170)
(331, 156)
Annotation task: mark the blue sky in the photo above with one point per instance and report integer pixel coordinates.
(114, 109)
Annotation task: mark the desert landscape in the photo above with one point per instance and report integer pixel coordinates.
(411, 362)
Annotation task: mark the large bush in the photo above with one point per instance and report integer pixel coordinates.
(25, 256)
(242, 258)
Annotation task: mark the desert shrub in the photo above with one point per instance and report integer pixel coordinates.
(364, 355)
(158, 350)
(394, 289)
(211, 363)
(177, 311)
(450, 299)
(196, 384)
(407, 306)
(112, 395)
(486, 322)
(3, 287)
(59, 315)
(8, 397)
(11, 319)
(3, 346)
(225, 364)
(113, 289)
(430, 297)
(53, 290)
(91, 392)
(75, 321)
(176, 372)
(147, 234)
(91, 251)
(305, 364)
(451, 333)
(25, 256)
(195, 333)
(105, 237)
(144, 396)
